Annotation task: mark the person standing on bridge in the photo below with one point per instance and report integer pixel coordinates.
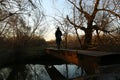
(58, 35)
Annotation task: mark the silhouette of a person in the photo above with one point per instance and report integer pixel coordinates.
(58, 35)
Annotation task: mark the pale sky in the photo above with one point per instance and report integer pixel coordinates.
(51, 9)
(54, 8)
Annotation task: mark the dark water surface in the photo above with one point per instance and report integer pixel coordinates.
(38, 72)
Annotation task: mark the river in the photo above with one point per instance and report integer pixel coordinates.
(38, 72)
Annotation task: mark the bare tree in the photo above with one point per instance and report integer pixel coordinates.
(89, 15)
(21, 18)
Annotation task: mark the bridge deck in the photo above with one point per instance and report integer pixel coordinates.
(90, 60)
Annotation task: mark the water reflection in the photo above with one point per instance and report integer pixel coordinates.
(4, 73)
(73, 70)
(38, 72)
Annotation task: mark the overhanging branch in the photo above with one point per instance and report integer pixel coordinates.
(118, 15)
(87, 16)
(32, 4)
(95, 27)
(95, 8)
(78, 26)
(10, 14)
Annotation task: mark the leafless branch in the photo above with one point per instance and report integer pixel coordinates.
(115, 14)
(32, 4)
(81, 10)
(95, 8)
(78, 26)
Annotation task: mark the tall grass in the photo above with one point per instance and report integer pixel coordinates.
(107, 43)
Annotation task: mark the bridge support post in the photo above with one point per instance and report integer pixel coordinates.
(67, 76)
(54, 73)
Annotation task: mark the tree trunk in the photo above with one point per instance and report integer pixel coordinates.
(78, 37)
(88, 37)
(66, 41)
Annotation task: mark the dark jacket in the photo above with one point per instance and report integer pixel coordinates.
(58, 34)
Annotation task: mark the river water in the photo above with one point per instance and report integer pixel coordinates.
(72, 72)
(38, 72)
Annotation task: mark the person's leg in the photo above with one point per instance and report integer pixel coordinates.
(57, 43)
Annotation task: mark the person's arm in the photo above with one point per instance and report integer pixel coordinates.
(56, 33)
(60, 33)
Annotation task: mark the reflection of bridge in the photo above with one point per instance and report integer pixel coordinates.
(90, 61)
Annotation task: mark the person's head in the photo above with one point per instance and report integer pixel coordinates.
(58, 28)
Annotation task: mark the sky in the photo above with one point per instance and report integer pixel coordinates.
(53, 8)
